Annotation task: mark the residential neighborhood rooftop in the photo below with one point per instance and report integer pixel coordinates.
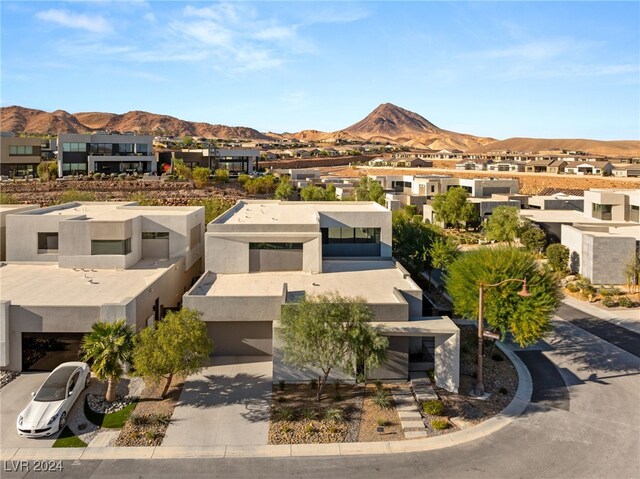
(373, 280)
(49, 285)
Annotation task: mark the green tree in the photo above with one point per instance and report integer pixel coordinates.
(177, 346)
(48, 170)
(182, 171)
(75, 195)
(453, 209)
(528, 319)
(534, 239)
(317, 193)
(201, 176)
(284, 191)
(411, 242)
(558, 257)
(213, 207)
(328, 332)
(107, 348)
(503, 224)
(369, 190)
(632, 272)
(263, 185)
(221, 176)
(443, 253)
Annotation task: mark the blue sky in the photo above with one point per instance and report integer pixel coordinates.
(541, 69)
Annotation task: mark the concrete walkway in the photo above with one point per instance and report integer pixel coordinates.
(228, 403)
(626, 318)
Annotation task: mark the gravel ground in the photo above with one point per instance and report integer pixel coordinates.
(79, 424)
(6, 377)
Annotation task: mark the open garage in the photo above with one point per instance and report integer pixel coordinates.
(45, 351)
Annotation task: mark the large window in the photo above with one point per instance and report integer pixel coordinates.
(20, 150)
(125, 148)
(155, 235)
(141, 149)
(81, 147)
(73, 168)
(350, 235)
(350, 242)
(120, 247)
(47, 242)
(275, 245)
(101, 149)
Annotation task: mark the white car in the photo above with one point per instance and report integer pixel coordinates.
(47, 412)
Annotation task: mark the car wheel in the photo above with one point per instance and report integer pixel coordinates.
(63, 421)
(87, 381)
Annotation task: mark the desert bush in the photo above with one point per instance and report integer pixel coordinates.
(609, 302)
(334, 414)
(285, 414)
(573, 287)
(378, 384)
(439, 424)
(382, 399)
(313, 384)
(221, 176)
(97, 176)
(201, 176)
(382, 422)
(626, 302)
(433, 407)
(309, 414)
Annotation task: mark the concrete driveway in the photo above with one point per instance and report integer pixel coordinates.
(228, 403)
(14, 397)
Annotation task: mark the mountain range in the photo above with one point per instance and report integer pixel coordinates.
(387, 123)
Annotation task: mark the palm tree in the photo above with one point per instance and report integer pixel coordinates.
(107, 347)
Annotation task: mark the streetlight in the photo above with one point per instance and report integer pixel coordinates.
(524, 293)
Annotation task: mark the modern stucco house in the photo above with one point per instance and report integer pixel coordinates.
(263, 255)
(70, 265)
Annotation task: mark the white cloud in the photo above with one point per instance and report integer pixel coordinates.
(65, 18)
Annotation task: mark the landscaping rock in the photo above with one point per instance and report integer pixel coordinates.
(6, 377)
(98, 404)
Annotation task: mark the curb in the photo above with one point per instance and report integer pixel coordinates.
(515, 408)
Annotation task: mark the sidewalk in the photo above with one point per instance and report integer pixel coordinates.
(626, 318)
(515, 408)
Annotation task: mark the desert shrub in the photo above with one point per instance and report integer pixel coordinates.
(378, 384)
(382, 422)
(313, 384)
(573, 287)
(433, 407)
(382, 399)
(285, 414)
(48, 170)
(75, 195)
(221, 176)
(439, 424)
(625, 302)
(334, 414)
(609, 302)
(243, 178)
(558, 256)
(310, 429)
(122, 176)
(309, 414)
(97, 176)
(431, 374)
(201, 176)
(7, 199)
(611, 291)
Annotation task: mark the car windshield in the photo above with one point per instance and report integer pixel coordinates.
(55, 387)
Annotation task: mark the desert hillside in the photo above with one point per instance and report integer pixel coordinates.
(596, 147)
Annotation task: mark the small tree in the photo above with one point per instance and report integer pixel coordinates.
(213, 207)
(107, 347)
(443, 253)
(526, 318)
(369, 190)
(632, 272)
(503, 224)
(7, 199)
(453, 209)
(201, 176)
(317, 193)
(177, 345)
(534, 239)
(411, 242)
(48, 170)
(284, 191)
(182, 171)
(330, 332)
(558, 256)
(221, 176)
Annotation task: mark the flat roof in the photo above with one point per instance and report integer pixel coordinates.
(292, 212)
(418, 326)
(49, 285)
(372, 280)
(107, 210)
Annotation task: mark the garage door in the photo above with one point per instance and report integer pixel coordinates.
(46, 351)
(241, 338)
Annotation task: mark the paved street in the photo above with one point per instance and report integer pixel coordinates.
(226, 404)
(587, 428)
